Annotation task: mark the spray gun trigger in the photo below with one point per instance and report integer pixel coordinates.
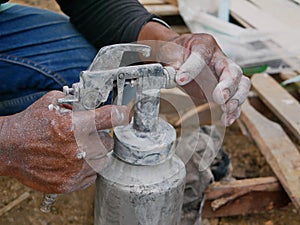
(120, 88)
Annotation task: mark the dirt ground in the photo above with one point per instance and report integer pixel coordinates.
(77, 208)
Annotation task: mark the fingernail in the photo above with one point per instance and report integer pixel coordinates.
(118, 116)
(183, 78)
(231, 121)
(232, 105)
(226, 120)
(226, 94)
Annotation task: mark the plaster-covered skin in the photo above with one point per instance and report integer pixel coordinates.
(38, 145)
(190, 54)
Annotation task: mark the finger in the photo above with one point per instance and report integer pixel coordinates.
(106, 140)
(240, 96)
(82, 183)
(110, 116)
(100, 148)
(87, 171)
(98, 163)
(50, 100)
(229, 118)
(172, 54)
(190, 69)
(88, 181)
(54, 94)
(94, 146)
(83, 179)
(228, 83)
(53, 97)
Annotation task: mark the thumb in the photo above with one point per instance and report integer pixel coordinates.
(109, 116)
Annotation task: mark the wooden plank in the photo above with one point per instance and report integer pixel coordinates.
(14, 203)
(255, 16)
(242, 197)
(277, 148)
(163, 10)
(279, 32)
(175, 103)
(152, 2)
(173, 2)
(240, 20)
(287, 11)
(281, 103)
(191, 113)
(180, 29)
(288, 74)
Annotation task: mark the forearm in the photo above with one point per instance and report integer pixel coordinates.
(4, 151)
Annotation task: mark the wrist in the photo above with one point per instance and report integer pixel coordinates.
(155, 35)
(155, 30)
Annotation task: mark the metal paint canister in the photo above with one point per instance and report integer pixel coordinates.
(143, 183)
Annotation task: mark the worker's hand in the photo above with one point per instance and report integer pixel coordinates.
(190, 54)
(42, 151)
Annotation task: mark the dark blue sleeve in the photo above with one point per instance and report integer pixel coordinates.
(3, 1)
(105, 22)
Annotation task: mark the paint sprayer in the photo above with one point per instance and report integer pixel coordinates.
(143, 182)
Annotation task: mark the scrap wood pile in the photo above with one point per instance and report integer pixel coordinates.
(278, 141)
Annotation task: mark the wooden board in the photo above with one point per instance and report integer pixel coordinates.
(284, 36)
(163, 10)
(287, 11)
(14, 203)
(277, 148)
(242, 197)
(176, 103)
(281, 103)
(152, 2)
(288, 74)
(173, 2)
(180, 29)
(255, 16)
(240, 20)
(155, 2)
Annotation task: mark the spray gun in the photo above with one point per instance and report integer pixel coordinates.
(143, 182)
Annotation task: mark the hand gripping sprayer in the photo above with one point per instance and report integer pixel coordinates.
(143, 183)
